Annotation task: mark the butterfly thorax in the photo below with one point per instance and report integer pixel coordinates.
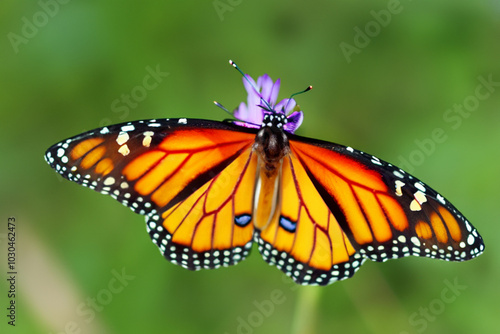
(271, 145)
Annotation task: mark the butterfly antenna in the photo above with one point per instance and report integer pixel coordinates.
(267, 105)
(223, 108)
(295, 94)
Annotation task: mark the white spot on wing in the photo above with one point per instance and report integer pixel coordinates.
(376, 161)
(148, 136)
(398, 174)
(109, 181)
(419, 186)
(441, 199)
(420, 197)
(399, 185)
(128, 127)
(415, 206)
(415, 241)
(122, 138)
(124, 150)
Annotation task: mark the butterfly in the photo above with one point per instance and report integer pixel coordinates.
(210, 189)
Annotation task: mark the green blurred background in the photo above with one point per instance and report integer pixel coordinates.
(60, 77)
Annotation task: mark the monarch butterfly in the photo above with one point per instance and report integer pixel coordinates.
(209, 189)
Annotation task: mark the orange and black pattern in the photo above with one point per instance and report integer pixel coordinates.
(345, 206)
(197, 181)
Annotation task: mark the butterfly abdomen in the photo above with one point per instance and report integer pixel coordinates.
(271, 145)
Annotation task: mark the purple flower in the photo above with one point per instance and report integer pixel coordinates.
(262, 101)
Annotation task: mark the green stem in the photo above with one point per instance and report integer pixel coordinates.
(304, 320)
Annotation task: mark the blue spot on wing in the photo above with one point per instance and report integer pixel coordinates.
(243, 220)
(287, 224)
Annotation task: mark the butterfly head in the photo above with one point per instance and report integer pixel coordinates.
(261, 108)
(274, 120)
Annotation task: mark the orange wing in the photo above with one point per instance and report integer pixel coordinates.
(211, 227)
(306, 241)
(190, 178)
(341, 206)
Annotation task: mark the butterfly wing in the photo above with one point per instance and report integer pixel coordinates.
(212, 226)
(306, 242)
(194, 181)
(341, 206)
(190, 179)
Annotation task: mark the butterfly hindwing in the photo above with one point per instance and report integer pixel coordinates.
(306, 242)
(211, 227)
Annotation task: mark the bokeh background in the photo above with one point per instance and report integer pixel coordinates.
(64, 64)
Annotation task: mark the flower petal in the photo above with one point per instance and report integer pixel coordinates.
(261, 99)
(266, 85)
(241, 112)
(249, 84)
(286, 105)
(294, 121)
(273, 96)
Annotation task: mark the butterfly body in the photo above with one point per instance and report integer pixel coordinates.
(317, 210)
(271, 146)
